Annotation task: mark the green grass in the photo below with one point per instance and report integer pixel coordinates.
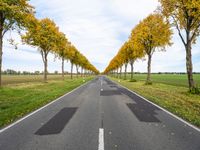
(20, 99)
(170, 79)
(176, 99)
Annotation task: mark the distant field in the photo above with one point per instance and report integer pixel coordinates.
(170, 79)
(15, 79)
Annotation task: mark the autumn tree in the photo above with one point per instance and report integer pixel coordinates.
(125, 57)
(120, 62)
(117, 62)
(153, 33)
(62, 49)
(44, 36)
(185, 16)
(13, 15)
(134, 51)
(72, 58)
(84, 63)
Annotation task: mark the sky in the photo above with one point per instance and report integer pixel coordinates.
(98, 28)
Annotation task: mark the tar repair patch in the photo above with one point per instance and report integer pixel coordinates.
(56, 124)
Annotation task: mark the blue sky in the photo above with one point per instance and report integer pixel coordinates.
(97, 28)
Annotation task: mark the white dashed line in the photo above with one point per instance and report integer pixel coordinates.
(101, 139)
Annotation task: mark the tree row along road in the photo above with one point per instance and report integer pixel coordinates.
(154, 33)
(100, 115)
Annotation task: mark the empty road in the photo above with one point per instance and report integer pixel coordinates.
(100, 115)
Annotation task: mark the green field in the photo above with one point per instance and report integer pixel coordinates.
(16, 100)
(170, 92)
(170, 79)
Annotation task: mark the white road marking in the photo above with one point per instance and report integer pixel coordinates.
(101, 139)
(101, 82)
(18, 121)
(180, 119)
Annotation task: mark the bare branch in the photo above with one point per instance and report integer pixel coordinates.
(42, 53)
(7, 28)
(179, 31)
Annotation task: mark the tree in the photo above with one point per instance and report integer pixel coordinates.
(72, 56)
(185, 16)
(13, 15)
(77, 62)
(134, 51)
(76, 58)
(125, 57)
(151, 34)
(43, 35)
(62, 49)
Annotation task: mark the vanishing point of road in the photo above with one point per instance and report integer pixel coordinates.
(100, 115)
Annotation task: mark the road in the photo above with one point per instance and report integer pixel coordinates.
(100, 115)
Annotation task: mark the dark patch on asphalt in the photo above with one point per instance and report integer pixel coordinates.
(56, 124)
(110, 92)
(109, 82)
(144, 113)
(143, 110)
(113, 86)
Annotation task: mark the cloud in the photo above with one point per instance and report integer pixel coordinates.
(136, 10)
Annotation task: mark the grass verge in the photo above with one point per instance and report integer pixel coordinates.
(21, 99)
(176, 99)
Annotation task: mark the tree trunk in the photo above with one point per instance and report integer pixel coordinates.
(85, 73)
(120, 76)
(1, 53)
(76, 71)
(189, 66)
(1, 45)
(117, 72)
(125, 71)
(131, 63)
(45, 67)
(71, 70)
(81, 71)
(63, 72)
(149, 69)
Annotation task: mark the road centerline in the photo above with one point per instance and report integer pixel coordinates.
(101, 139)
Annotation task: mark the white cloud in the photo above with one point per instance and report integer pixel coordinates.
(133, 8)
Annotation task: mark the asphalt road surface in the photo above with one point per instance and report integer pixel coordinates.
(100, 115)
